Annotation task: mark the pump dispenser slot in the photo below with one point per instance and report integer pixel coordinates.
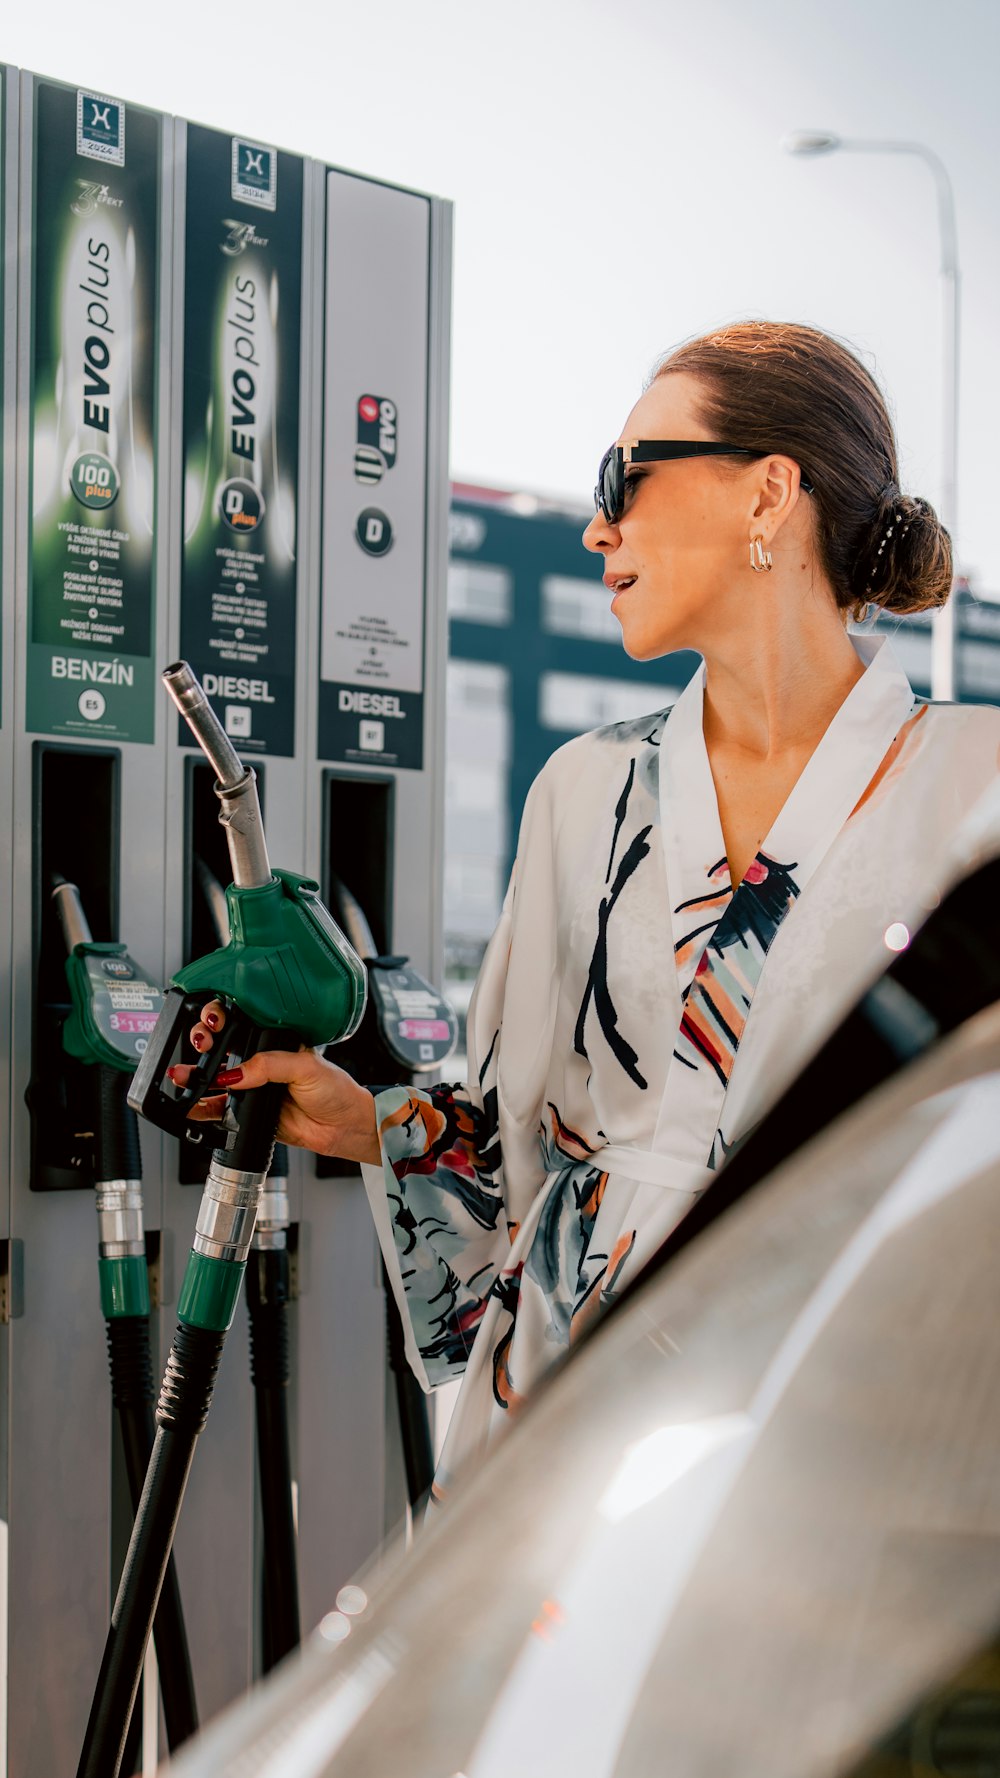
(206, 839)
(76, 806)
(358, 819)
(76, 835)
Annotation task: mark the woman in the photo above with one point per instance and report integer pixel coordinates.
(697, 895)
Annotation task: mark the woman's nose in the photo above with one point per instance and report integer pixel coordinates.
(599, 535)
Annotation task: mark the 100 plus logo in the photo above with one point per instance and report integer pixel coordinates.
(100, 128)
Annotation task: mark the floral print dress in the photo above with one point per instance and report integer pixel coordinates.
(637, 1013)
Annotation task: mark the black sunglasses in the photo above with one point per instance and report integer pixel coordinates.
(609, 494)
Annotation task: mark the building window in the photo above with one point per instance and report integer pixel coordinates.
(578, 608)
(479, 593)
(477, 839)
(575, 702)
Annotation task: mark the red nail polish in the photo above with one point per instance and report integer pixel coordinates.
(198, 1040)
(213, 1021)
(229, 1077)
(172, 1075)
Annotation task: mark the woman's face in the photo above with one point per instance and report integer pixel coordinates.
(677, 560)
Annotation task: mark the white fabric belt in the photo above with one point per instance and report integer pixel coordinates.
(651, 1169)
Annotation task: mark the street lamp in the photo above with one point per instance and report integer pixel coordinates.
(824, 142)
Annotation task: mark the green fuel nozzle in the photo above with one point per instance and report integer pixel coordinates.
(287, 968)
(113, 1010)
(287, 976)
(114, 1006)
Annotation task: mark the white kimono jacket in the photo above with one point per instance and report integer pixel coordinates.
(635, 1017)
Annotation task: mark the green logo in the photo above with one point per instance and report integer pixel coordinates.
(95, 481)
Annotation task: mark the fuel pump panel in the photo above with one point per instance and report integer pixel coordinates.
(180, 409)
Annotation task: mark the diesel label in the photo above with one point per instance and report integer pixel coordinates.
(223, 685)
(370, 703)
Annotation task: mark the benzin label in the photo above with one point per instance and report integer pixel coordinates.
(103, 672)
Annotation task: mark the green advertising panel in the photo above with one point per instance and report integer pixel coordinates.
(242, 325)
(95, 226)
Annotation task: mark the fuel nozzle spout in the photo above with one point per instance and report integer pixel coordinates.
(235, 783)
(68, 904)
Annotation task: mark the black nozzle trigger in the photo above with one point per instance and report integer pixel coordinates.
(154, 1096)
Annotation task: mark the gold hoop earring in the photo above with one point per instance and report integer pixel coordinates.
(760, 558)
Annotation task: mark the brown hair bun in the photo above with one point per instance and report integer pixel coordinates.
(908, 563)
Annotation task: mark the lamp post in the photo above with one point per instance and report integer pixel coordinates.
(823, 142)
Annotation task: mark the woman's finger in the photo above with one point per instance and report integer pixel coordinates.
(203, 1035)
(279, 1065)
(208, 1109)
(285, 1066)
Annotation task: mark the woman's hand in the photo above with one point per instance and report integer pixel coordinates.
(323, 1109)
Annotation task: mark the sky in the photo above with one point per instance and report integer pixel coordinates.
(619, 186)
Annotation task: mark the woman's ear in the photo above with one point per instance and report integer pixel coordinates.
(776, 494)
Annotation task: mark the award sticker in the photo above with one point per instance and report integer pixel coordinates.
(255, 174)
(100, 128)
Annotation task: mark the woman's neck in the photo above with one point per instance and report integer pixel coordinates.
(775, 687)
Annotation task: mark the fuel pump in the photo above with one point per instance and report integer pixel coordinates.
(409, 1025)
(268, 1295)
(113, 1009)
(287, 977)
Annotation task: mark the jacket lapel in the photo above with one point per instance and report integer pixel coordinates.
(721, 937)
(694, 850)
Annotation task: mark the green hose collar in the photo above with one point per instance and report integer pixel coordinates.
(124, 1286)
(210, 1291)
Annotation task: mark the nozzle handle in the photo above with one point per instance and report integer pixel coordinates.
(165, 1105)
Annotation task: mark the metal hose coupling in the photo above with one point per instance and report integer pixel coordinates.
(228, 1213)
(119, 1218)
(273, 1217)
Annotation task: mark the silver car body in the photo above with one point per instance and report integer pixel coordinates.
(748, 1526)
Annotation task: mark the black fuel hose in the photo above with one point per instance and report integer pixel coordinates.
(268, 1292)
(182, 1410)
(411, 1402)
(116, 1128)
(117, 1157)
(132, 1394)
(205, 1309)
